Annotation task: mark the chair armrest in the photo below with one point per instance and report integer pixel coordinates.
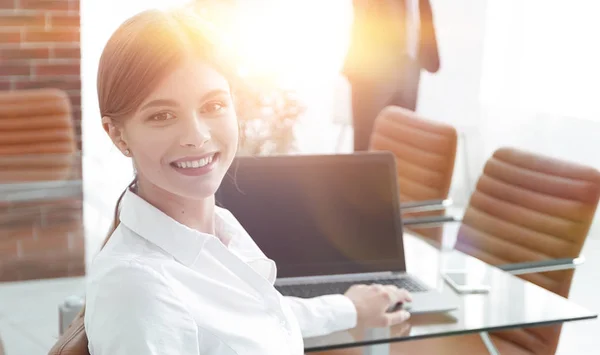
(427, 205)
(542, 266)
(40, 190)
(429, 222)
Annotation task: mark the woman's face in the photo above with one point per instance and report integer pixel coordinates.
(184, 136)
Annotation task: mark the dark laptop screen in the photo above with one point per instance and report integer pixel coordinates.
(319, 215)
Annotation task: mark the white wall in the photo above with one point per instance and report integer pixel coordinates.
(452, 95)
(517, 73)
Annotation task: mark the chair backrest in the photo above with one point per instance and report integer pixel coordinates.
(74, 340)
(425, 153)
(528, 207)
(37, 139)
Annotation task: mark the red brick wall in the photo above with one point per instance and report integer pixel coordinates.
(40, 48)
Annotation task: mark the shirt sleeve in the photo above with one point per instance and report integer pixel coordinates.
(132, 310)
(323, 315)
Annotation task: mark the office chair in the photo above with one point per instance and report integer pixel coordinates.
(529, 215)
(73, 341)
(37, 138)
(425, 154)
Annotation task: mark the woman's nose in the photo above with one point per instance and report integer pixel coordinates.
(195, 132)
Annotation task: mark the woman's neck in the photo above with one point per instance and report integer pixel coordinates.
(193, 213)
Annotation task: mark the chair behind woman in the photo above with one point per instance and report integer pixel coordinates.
(425, 154)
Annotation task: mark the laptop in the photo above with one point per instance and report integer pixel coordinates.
(328, 221)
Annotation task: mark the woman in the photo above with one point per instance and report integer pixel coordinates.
(177, 274)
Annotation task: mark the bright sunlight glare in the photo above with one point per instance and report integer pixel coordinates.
(290, 41)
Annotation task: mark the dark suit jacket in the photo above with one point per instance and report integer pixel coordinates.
(379, 37)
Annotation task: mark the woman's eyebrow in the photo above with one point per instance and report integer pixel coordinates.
(173, 103)
(160, 102)
(214, 93)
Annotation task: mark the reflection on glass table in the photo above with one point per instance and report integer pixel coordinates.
(510, 303)
(41, 212)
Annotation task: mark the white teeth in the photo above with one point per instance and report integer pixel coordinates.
(195, 163)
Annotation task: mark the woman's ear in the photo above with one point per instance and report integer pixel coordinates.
(116, 135)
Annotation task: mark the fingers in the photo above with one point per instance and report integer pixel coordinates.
(397, 295)
(396, 317)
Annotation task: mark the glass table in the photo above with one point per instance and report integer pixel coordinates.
(511, 303)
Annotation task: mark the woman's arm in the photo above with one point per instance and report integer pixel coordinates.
(361, 305)
(132, 310)
(323, 315)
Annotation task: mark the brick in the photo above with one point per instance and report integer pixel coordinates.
(8, 249)
(53, 35)
(61, 5)
(59, 216)
(10, 36)
(37, 270)
(23, 20)
(66, 53)
(20, 218)
(8, 4)
(15, 233)
(65, 20)
(52, 218)
(24, 53)
(5, 85)
(57, 264)
(77, 268)
(77, 241)
(57, 69)
(46, 246)
(63, 84)
(68, 228)
(15, 69)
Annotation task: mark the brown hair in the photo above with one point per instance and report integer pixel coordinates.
(139, 54)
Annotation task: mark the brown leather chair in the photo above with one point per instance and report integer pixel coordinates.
(526, 208)
(425, 153)
(73, 341)
(37, 139)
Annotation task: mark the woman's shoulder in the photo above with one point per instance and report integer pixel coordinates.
(129, 287)
(132, 306)
(119, 277)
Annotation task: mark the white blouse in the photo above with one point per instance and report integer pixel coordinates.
(159, 287)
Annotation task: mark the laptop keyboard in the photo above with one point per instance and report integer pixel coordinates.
(340, 287)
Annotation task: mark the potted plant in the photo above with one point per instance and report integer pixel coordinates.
(267, 120)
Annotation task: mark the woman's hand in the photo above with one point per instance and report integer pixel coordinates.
(372, 303)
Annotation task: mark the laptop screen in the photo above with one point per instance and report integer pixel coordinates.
(321, 214)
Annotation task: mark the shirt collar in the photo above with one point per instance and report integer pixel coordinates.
(152, 224)
(184, 243)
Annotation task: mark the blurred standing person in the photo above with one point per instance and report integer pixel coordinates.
(392, 40)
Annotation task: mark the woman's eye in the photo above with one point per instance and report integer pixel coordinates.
(213, 107)
(162, 116)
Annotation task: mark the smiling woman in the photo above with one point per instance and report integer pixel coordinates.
(300, 45)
